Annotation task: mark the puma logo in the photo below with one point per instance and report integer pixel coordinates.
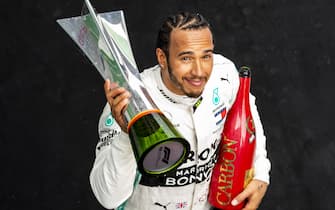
(224, 79)
(161, 205)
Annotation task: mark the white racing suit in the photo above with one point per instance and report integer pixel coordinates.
(199, 120)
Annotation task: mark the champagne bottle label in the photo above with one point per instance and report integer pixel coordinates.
(251, 129)
(249, 174)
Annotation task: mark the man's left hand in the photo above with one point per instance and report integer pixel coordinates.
(253, 194)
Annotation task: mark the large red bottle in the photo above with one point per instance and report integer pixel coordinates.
(233, 170)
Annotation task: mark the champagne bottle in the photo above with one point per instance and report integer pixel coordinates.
(233, 170)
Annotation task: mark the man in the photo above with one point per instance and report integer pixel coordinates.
(190, 85)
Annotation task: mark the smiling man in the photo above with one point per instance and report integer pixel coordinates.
(187, 65)
(194, 88)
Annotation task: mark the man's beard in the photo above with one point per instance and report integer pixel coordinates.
(180, 86)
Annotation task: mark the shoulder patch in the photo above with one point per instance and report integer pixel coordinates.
(109, 120)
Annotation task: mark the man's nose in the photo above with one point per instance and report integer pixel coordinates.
(196, 70)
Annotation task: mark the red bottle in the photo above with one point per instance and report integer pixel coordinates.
(233, 170)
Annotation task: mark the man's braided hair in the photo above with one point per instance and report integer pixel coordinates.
(183, 21)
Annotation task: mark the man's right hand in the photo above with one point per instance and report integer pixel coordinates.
(118, 99)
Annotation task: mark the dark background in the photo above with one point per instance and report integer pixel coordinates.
(51, 96)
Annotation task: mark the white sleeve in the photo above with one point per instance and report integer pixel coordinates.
(262, 164)
(113, 174)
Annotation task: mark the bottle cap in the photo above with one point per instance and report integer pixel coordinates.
(244, 71)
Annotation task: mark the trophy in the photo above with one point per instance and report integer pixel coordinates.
(158, 147)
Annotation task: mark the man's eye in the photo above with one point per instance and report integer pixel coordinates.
(186, 58)
(207, 57)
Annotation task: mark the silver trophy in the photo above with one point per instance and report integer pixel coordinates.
(103, 37)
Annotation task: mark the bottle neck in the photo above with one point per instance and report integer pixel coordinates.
(242, 97)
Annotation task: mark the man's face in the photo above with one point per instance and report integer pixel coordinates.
(190, 61)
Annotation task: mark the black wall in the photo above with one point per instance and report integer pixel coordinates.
(51, 96)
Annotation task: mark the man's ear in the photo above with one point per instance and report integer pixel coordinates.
(161, 58)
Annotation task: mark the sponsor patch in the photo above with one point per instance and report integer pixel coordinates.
(188, 175)
(220, 115)
(106, 140)
(216, 97)
(197, 104)
(181, 205)
(109, 120)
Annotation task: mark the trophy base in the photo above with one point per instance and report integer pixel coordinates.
(157, 145)
(163, 158)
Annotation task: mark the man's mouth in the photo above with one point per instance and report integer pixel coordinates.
(197, 82)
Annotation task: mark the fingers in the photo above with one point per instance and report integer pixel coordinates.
(241, 197)
(119, 103)
(253, 193)
(118, 99)
(112, 90)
